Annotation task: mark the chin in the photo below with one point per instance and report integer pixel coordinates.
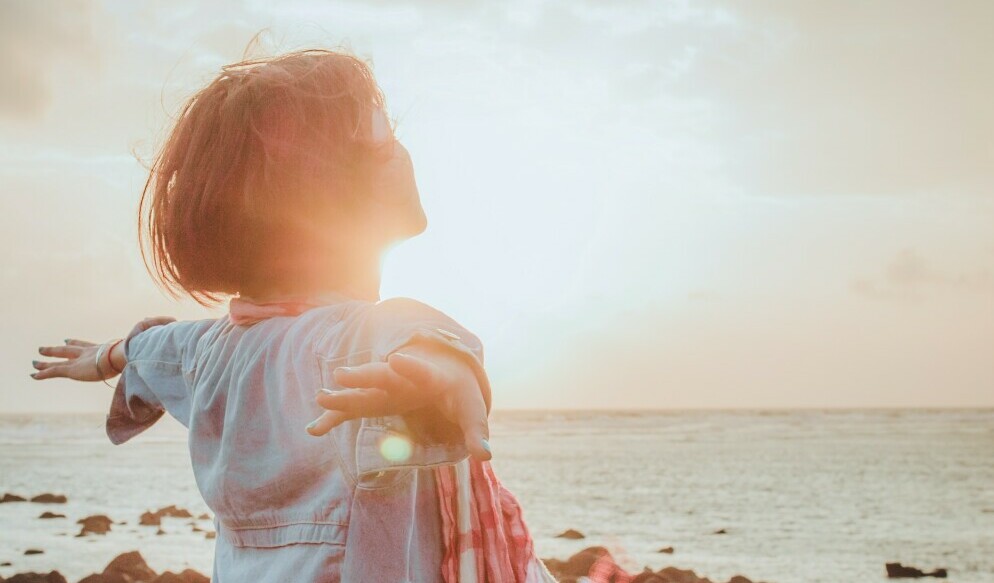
(414, 222)
(421, 224)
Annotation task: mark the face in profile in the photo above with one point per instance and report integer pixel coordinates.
(396, 209)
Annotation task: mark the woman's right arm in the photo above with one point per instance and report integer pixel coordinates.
(80, 360)
(154, 360)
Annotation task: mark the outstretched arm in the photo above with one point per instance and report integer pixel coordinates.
(421, 381)
(82, 360)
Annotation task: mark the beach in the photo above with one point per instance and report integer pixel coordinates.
(776, 496)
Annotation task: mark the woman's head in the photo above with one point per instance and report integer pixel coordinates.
(278, 172)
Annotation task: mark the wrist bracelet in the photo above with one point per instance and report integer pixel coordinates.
(110, 352)
(99, 355)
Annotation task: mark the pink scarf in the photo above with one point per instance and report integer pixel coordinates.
(485, 537)
(245, 312)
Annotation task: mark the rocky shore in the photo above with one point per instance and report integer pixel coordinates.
(593, 563)
(125, 568)
(597, 564)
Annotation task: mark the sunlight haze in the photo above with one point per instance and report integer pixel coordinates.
(633, 204)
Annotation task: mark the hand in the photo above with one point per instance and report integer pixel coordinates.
(79, 357)
(79, 362)
(418, 377)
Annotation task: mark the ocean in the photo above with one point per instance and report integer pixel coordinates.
(801, 496)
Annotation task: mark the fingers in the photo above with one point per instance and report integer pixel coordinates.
(42, 364)
(416, 370)
(471, 415)
(361, 402)
(372, 375)
(70, 352)
(327, 421)
(476, 434)
(61, 351)
(352, 404)
(51, 371)
(466, 405)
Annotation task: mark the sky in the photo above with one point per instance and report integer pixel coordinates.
(634, 204)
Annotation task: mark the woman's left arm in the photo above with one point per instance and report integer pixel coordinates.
(422, 381)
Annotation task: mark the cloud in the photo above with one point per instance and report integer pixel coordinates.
(798, 98)
(909, 276)
(35, 37)
(880, 98)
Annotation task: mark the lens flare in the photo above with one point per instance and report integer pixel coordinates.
(395, 448)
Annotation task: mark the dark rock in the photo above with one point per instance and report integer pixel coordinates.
(49, 499)
(47, 514)
(579, 564)
(899, 571)
(129, 568)
(150, 519)
(204, 516)
(33, 552)
(674, 575)
(155, 518)
(666, 550)
(720, 531)
(555, 565)
(570, 534)
(8, 497)
(53, 577)
(5, 564)
(210, 535)
(160, 532)
(174, 512)
(96, 524)
(647, 576)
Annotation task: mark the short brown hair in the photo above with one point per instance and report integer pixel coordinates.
(234, 196)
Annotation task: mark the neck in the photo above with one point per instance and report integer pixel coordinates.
(361, 282)
(357, 279)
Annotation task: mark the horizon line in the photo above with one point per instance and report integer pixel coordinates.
(778, 409)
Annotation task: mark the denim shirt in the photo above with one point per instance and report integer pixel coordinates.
(358, 504)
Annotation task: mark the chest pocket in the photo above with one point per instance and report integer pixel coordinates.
(383, 449)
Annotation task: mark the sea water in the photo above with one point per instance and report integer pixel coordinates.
(801, 496)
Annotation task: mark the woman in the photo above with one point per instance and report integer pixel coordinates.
(281, 186)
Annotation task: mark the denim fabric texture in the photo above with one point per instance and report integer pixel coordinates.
(289, 506)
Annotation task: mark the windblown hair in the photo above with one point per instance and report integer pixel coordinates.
(235, 196)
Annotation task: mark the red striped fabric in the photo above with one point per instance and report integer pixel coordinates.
(501, 543)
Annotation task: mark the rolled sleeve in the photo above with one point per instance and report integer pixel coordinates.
(392, 444)
(154, 381)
